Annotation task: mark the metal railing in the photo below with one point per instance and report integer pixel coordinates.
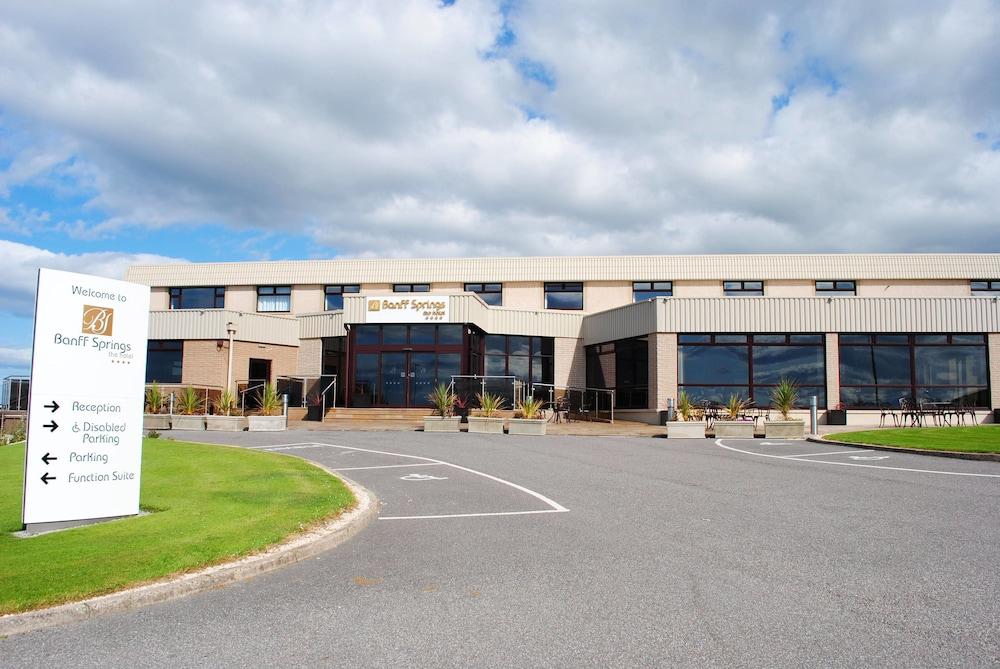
(468, 386)
(303, 391)
(580, 401)
(170, 392)
(249, 385)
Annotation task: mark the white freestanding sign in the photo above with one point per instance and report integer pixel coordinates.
(88, 369)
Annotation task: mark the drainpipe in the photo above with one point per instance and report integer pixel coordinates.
(231, 330)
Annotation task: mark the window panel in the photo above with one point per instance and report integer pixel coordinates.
(496, 365)
(490, 293)
(411, 287)
(164, 361)
(743, 288)
(274, 298)
(803, 364)
(985, 287)
(713, 365)
(762, 396)
(334, 295)
(496, 344)
(951, 365)
(198, 298)
(517, 345)
(714, 394)
(449, 334)
(393, 334)
(518, 366)
(648, 290)
(422, 334)
(564, 295)
(366, 334)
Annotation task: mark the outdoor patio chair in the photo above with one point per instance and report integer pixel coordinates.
(888, 411)
(908, 409)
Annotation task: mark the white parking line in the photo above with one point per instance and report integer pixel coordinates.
(810, 455)
(718, 442)
(556, 507)
(416, 464)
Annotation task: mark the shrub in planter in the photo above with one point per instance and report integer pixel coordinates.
(734, 428)
(689, 425)
(784, 397)
(529, 422)
(488, 421)
(190, 406)
(267, 421)
(442, 401)
(223, 420)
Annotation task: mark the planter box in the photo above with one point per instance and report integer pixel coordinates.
(692, 429)
(179, 422)
(784, 429)
(265, 423)
(225, 423)
(530, 426)
(486, 425)
(442, 423)
(836, 417)
(156, 421)
(733, 429)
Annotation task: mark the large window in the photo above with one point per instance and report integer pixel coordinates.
(411, 287)
(527, 358)
(198, 298)
(490, 293)
(164, 360)
(743, 288)
(711, 367)
(564, 295)
(274, 298)
(985, 287)
(334, 295)
(836, 288)
(878, 369)
(647, 290)
(624, 366)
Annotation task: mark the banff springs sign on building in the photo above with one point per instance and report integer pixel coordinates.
(88, 367)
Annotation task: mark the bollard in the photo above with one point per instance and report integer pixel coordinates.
(671, 410)
(813, 421)
(284, 405)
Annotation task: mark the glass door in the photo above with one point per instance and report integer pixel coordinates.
(422, 377)
(394, 381)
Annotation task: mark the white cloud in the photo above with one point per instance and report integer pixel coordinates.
(19, 265)
(19, 358)
(387, 129)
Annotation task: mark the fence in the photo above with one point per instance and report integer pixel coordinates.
(468, 387)
(582, 402)
(310, 391)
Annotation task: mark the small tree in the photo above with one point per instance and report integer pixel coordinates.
(490, 404)
(189, 401)
(268, 397)
(685, 409)
(442, 400)
(226, 404)
(735, 406)
(785, 396)
(530, 408)
(154, 398)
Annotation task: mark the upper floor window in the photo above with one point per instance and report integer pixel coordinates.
(836, 288)
(647, 290)
(198, 298)
(334, 299)
(411, 287)
(564, 295)
(490, 293)
(274, 298)
(985, 287)
(743, 288)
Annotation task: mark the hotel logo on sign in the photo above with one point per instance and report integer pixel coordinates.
(374, 305)
(423, 309)
(97, 320)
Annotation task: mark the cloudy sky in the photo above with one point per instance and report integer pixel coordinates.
(294, 129)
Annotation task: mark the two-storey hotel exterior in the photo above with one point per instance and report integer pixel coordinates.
(861, 331)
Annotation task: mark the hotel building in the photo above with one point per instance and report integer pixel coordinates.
(859, 331)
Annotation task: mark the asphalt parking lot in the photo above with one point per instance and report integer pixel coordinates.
(573, 551)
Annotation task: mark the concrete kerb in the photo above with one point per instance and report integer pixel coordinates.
(959, 455)
(300, 547)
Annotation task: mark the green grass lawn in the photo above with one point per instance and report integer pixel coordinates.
(208, 504)
(977, 439)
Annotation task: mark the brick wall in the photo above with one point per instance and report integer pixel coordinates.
(832, 370)
(570, 362)
(310, 357)
(205, 362)
(662, 369)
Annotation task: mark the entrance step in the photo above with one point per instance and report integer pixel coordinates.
(379, 414)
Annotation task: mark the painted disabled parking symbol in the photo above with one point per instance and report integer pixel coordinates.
(868, 457)
(422, 477)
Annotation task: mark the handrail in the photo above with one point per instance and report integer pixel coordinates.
(517, 384)
(580, 389)
(323, 392)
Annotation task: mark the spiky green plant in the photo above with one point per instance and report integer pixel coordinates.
(226, 404)
(489, 404)
(685, 409)
(530, 408)
(442, 400)
(735, 406)
(268, 398)
(154, 398)
(189, 401)
(785, 396)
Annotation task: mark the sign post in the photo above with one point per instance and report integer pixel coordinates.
(88, 368)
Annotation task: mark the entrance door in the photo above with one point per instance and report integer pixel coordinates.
(407, 378)
(422, 377)
(395, 380)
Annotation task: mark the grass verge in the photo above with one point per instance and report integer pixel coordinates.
(209, 504)
(972, 439)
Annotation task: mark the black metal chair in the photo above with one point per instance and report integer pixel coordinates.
(888, 412)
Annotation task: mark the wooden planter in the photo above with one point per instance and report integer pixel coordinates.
(225, 423)
(265, 423)
(182, 422)
(692, 429)
(784, 429)
(527, 426)
(442, 423)
(485, 425)
(733, 429)
(156, 421)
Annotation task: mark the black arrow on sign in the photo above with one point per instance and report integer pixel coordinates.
(46, 478)
(52, 426)
(48, 458)
(54, 406)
